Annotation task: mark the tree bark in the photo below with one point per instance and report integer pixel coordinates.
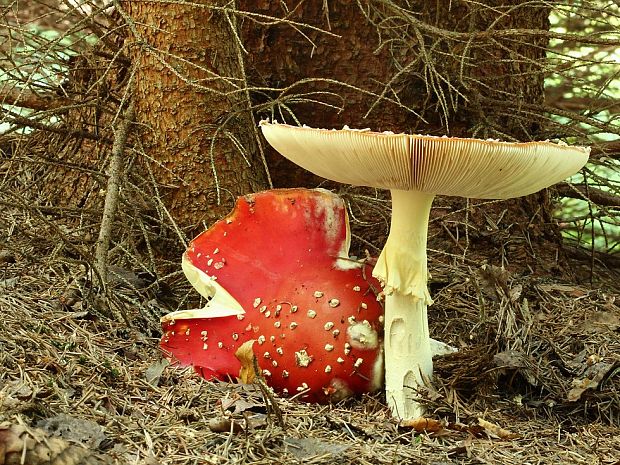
(437, 83)
(281, 56)
(430, 74)
(197, 126)
(445, 85)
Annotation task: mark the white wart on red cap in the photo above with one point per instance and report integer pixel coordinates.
(276, 271)
(415, 169)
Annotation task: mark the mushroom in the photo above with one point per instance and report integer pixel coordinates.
(415, 169)
(277, 271)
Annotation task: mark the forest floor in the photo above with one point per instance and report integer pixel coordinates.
(536, 380)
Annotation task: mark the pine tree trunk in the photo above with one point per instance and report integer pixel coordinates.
(346, 52)
(449, 86)
(196, 123)
(456, 87)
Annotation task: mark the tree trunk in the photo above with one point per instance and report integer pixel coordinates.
(197, 127)
(346, 52)
(494, 78)
(449, 84)
(438, 80)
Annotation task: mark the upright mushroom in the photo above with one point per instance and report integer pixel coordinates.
(416, 168)
(277, 271)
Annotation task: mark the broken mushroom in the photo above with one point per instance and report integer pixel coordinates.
(277, 271)
(415, 169)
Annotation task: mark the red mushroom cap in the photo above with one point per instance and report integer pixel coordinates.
(277, 272)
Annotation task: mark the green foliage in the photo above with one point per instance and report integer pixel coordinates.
(587, 83)
(35, 56)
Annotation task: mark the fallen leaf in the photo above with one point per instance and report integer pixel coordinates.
(592, 378)
(19, 390)
(492, 278)
(240, 405)
(578, 364)
(9, 283)
(128, 278)
(255, 420)
(519, 361)
(154, 371)
(246, 356)
(580, 385)
(22, 445)
(458, 450)
(495, 431)
(69, 428)
(462, 448)
(422, 424)
(224, 425)
(511, 359)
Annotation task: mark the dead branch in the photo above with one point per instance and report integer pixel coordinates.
(585, 103)
(582, 192)
(495, 34)
(34, 101)
(29, 122)
(544, 108)
(583, 254)
(606, 150)
(111, 199)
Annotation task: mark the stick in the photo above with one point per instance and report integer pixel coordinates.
(111, 197)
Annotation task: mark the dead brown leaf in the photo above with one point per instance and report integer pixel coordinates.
(246, 356)
(429, 425)
(592, 378)
(240, 405)
(224, 425)
(155, 370)
(519, 361)
(496, 431)
(22, 445)
(492, 279)
(250, 421)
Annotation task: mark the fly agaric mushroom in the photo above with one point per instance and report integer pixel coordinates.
(416, 168)
(277, 271)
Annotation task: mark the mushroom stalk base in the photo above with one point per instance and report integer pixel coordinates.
(408, 357)
(402, 269)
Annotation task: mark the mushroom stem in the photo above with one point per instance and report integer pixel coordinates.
(402, 269)
(408, 355)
